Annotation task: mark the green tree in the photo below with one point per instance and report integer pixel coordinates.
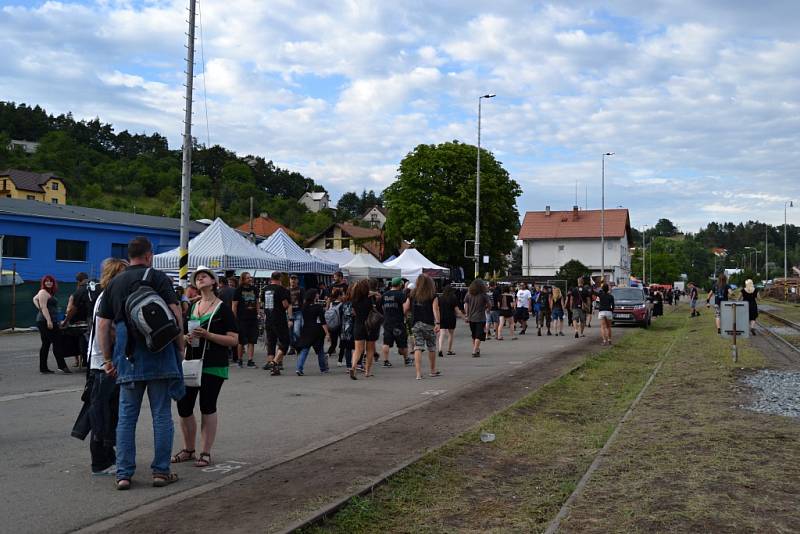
(433, 202)
(348, 206)
(571, 271)
(665, 228)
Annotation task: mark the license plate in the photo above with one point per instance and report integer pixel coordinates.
(622, 316)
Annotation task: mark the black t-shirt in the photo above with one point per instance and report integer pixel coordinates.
(423, 311)
(274, 297)
(114, 297)
(361, 309)
(80, 300)
(392, 303)
(313, 319)
(606, 302)
(226, 295)
(296, 297)
(222, 323)
(722, 293)
(693, 293)
(577, 297)
(495, 297)
(340, 285)
(247, 307)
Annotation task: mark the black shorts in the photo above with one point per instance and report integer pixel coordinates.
(277, 335)
(507, 313)
(448, 323)
(361, 333)
(248, 332)
(478, 330)
(210, 386)
(522, 314)
(395, 334)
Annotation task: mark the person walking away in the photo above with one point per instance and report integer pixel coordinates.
(363, 304)
(346, 341)
(245, 309)
(557, 307)
(210, 341)
(334, 328)
(606, 313)
(448, 311)
(493, 314)
(47, 304)
(576, 304)
(314, 332)
(77, 316)
(506, 311)
(693, 294)
(750, 295)
(103, 406)
(424, 306)
(394, 327)
(137, 368)
(589, 295)
(475, 306)
(276, 325)
(658, 306)
(377, 303)
(524, 308)
(296, 319)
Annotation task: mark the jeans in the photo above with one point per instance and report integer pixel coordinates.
(130, 402)
(297, 326)
(322, 357)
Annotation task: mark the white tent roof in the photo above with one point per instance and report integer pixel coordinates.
(339, 257)
(283, 246)
(412, 263)
(366, 266)
(220, 247)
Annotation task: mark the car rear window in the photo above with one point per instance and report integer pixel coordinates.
(627, 294)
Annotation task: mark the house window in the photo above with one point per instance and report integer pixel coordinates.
(5, 184)
(54, 200)
(328, 243)
(54, 186)
(69, 250)
(15, 246)
(561, 248)
(119, 250)
(31, 197)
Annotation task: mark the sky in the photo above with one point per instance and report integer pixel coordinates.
(699, 100)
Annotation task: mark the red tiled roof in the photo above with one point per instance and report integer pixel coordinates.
(265, 227)
(564, 225)
(28, 181)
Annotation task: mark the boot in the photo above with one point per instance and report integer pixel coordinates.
(539, 332)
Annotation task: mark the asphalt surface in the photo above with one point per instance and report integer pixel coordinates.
(45, 475)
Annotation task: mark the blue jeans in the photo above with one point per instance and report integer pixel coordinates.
(130, 402)
(322, 357)
(297, 326)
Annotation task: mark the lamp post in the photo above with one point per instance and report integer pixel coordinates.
(766, 253)
(477, 249)
(787, 204)
(603, 219)
(644, 255)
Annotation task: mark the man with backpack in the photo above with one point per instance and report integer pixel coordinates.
(144, 353)
(78, 311)
(577, 303)
(276, 325)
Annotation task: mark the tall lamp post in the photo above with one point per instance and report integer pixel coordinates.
(644, 255)
(603, 220)
(787, 204)
(477, 249)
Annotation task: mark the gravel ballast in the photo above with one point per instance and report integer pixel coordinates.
(776, 392)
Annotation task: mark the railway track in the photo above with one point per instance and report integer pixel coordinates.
(774, 335)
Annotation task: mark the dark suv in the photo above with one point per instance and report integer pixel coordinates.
(631, 306)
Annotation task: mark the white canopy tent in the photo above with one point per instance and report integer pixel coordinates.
(412, 263)
(283, 246)
(221, 247)
(366, 266)
(339, 257)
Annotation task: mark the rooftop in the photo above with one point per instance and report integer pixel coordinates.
(27, 180)
(574, 224)
(264, 226)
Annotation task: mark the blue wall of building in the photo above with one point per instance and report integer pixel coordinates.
(43, 233)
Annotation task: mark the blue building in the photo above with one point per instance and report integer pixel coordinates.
(62, 240)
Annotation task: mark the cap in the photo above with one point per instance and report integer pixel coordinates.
(202, 269)
(397, 281)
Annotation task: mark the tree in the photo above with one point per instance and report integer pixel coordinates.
(571, 271)
(348, 206)
(665, 228)
(433, 202)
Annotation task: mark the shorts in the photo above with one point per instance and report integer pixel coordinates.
(558, 315)
(395, 334)
(694, 304)
(361, 333)
(248, 332)
(277, 335)
(578, 316)
(494, 316)
(716, 311)
(424, 336)
(605, 314)
(448, 323)
(478, 330)
(522, 314)
(507, 313)
(210, 386)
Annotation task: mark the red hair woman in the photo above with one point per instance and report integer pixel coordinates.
(47, 304)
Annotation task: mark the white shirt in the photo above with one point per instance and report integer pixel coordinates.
(523, 298)
(95, 354)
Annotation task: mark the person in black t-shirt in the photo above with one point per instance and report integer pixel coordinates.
(276, 304)
(76, 315)
(296, 320)
(216, 334)
(721, 292)
(394, 322)
(338, 283)
(313, 334)
(245, 308)
(606, 313)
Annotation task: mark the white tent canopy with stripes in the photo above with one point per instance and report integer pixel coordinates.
(339, 257)
(220, 247)
(283, 246)
(366, 266)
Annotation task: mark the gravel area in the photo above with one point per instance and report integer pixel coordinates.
(776, 392)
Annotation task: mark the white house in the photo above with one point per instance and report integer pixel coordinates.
(552, 238)
(375, 216)
(315, 200)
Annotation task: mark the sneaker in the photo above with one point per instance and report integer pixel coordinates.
(339, 364)
(299, 373)
(548, 333)
(108, 471)
(46, 371)
(267, 366)
(441, 355)
(251, 363)
(377, 356)
(291, 352)
(360, 368)
(539, 332)
(387, 363)
(278, 366)
(719, 331)
(275, 372)
(408, 361)
(561, 333)
(65, 371)
(576, 335)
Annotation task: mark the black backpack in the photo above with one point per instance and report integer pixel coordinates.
(149, 317)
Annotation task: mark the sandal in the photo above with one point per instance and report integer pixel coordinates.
(435, 374)
(184, 456)
(204, 460)
(164, 479)
(123, 484)
(451, 353)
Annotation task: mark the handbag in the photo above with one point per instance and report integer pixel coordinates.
(193, 369)
(374, 321)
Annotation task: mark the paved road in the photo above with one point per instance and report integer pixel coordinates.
(47, 486)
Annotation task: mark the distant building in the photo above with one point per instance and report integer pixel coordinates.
(375, 216)
(41, 238)
(315, 200)
(263, 227)
(44, 187)
(348, 236)
(552, 238)
(29, 147)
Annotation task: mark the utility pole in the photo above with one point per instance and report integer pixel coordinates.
(477, 247)
(603, 220)
(186, 171)
(766, 253)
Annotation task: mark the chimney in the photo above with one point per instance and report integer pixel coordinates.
(263, 215)
(574, 213)
(547, 211)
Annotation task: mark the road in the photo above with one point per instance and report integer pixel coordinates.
(47, 485)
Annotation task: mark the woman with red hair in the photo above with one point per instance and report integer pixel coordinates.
(47, 304)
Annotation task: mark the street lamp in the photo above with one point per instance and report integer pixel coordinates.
(603, 219)
(787, 204)
(477, 249)
(644, 255)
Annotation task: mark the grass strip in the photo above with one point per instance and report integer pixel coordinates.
(544, 444)
(690, 459)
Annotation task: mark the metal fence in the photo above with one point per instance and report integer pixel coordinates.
(16, 304)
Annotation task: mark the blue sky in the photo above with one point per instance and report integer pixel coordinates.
(699, 100)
